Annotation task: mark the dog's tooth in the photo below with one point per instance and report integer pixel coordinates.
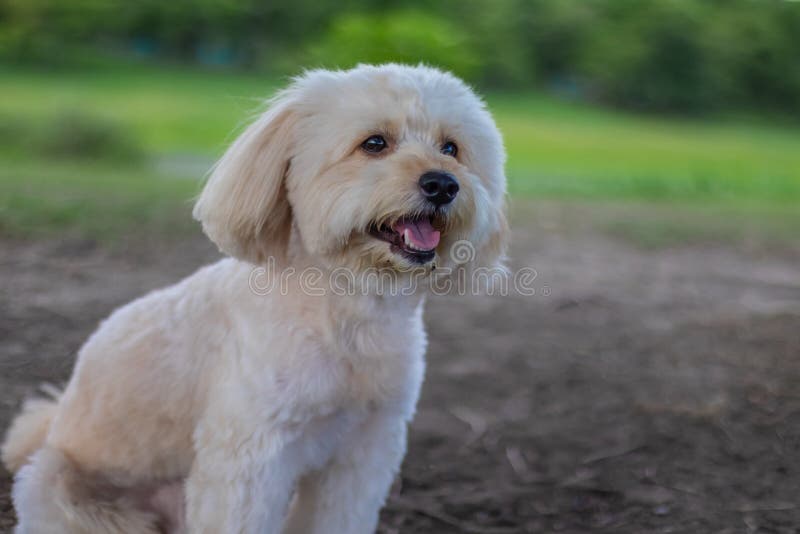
(409, 243)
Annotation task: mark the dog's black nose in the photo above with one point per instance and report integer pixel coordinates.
(438, 187)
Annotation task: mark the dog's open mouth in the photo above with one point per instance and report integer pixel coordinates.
(415, 238)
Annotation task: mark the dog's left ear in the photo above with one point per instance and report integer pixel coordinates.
(243, 206)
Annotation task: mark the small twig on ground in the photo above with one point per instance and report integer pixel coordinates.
(477, 423)
(611, 453)
(680, 490)
(764, 507)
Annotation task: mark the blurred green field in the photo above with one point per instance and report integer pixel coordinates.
(183, 118)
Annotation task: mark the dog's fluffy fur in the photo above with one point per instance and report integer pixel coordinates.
(206, 407)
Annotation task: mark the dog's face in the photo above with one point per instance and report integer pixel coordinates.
(384, 166)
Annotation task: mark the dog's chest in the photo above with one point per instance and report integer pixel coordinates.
(380, 361)
(338, 361)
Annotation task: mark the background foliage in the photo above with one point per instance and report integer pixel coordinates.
(688, 56)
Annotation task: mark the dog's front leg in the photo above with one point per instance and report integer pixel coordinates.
(346, 496)
(240, 488)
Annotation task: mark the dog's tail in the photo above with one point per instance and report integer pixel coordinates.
(29, 429)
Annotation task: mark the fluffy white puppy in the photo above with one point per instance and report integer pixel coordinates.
(213, 407)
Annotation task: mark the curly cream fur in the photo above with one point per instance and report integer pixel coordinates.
(206, 407)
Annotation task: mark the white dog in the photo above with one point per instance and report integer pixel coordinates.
(208, 407)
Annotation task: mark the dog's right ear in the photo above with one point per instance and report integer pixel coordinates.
(243, 206)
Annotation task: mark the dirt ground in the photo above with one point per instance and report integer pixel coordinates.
(640, 390)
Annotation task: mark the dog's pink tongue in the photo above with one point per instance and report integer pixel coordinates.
(420, 232)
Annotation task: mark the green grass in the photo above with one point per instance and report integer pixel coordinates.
(171, 109)
(557, 150)
(571, 150)
(99, 200)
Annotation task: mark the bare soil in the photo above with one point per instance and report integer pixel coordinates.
(639, 390)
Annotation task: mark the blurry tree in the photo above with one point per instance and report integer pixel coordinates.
(756, 55)
(407, 36)
(649, 54)
(41, 30)
(662, 55)
(558, 31)
(497, 35)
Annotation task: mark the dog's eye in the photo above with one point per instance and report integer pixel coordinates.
(374, 144)
(449, 149)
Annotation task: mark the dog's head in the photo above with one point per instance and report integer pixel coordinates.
(378, 166)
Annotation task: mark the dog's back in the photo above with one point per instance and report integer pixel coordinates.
(127, 412)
